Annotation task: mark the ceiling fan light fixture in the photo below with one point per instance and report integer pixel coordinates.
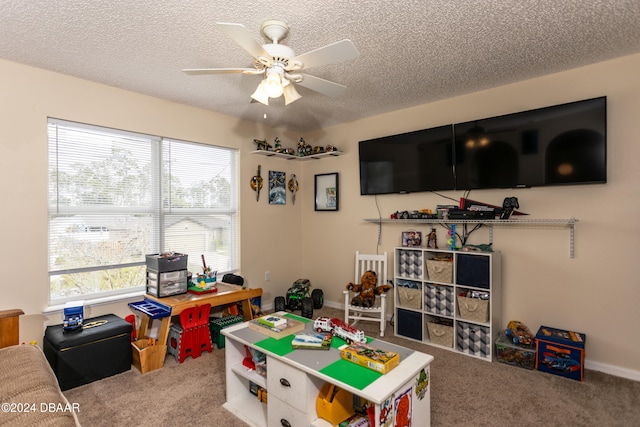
(290, 94)
(273, 85)
(260, 95)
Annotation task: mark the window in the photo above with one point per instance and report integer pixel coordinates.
(116, 196)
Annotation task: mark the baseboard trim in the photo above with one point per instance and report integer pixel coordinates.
(594, 366)
(616, 371)
(334, 304)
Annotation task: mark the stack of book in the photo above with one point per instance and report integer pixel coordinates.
(275, 326)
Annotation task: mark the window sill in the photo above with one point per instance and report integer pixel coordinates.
(129, 297)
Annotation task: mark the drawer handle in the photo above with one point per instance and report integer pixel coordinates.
(285, 423)
(284, 382)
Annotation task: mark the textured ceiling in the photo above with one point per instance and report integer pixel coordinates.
(411, 52)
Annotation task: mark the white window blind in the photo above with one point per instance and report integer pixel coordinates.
(116, 196)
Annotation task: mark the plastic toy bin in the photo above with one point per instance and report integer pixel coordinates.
(511, 354)
(217, 324)
(161, 263)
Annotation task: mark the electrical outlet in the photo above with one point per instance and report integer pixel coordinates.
(267, 276)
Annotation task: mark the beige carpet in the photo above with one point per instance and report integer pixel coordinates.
(464, 392)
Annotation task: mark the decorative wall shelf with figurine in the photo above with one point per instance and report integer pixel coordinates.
(318, 156)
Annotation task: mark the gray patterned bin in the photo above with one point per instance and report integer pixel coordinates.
(438, 299)
(410, 264)
(473, 339)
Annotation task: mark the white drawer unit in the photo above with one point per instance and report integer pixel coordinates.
(294, 379)
(285, 415)
(291, 386)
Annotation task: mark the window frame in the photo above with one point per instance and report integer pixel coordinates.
(161, 207)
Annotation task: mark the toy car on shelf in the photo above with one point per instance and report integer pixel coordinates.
(520, 334)
(421, 214)
(73, 316)
(300, 297)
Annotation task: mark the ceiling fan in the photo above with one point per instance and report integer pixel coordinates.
(280, 65)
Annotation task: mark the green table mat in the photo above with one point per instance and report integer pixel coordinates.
(349, 373)
(281, 346)
(342, 370)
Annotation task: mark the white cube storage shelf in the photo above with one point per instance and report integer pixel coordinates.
(428, 299)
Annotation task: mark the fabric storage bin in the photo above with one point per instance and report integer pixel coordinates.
(440, 334)
(511, 354)
(99, 350)
(409, 264)
(472, 270)
(440, 270)
(409, 324)
(438, 299)
(473, 309)
(560, 352)
(409, 294)
(473, 339)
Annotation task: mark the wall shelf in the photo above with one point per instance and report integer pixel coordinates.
(319, 156)
(554, 223)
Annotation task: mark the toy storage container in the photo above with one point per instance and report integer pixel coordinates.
(560, 352)
(101, 349)
(166, 274)
(512, 354)
(473, 339)
(438, 299)
(162, 263)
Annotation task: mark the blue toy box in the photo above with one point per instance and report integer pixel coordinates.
(560, 352)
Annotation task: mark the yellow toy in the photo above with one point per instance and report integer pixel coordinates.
(334, 404)
(368, 289)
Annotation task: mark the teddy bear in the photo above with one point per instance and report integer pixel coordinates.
(368, 289)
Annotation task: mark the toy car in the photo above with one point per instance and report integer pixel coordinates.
(559, 361)
(520, 334)
(72, 323)
(300, 297)
(73, 316)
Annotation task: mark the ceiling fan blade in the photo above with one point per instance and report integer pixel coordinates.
(330, 54)
(195, 71)
(243, 37)
(322, 86)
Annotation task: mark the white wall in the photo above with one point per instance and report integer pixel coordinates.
(597, 292)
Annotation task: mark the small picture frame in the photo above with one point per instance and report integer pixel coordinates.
(327, 192)
(277, 191)
(411, 238)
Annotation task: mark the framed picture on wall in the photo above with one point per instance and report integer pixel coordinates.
(277, 192)
(327, 192)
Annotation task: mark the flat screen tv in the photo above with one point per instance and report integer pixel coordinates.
(559, 145)
(410, 162)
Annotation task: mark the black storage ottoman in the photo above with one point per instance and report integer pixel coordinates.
(99, 350)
